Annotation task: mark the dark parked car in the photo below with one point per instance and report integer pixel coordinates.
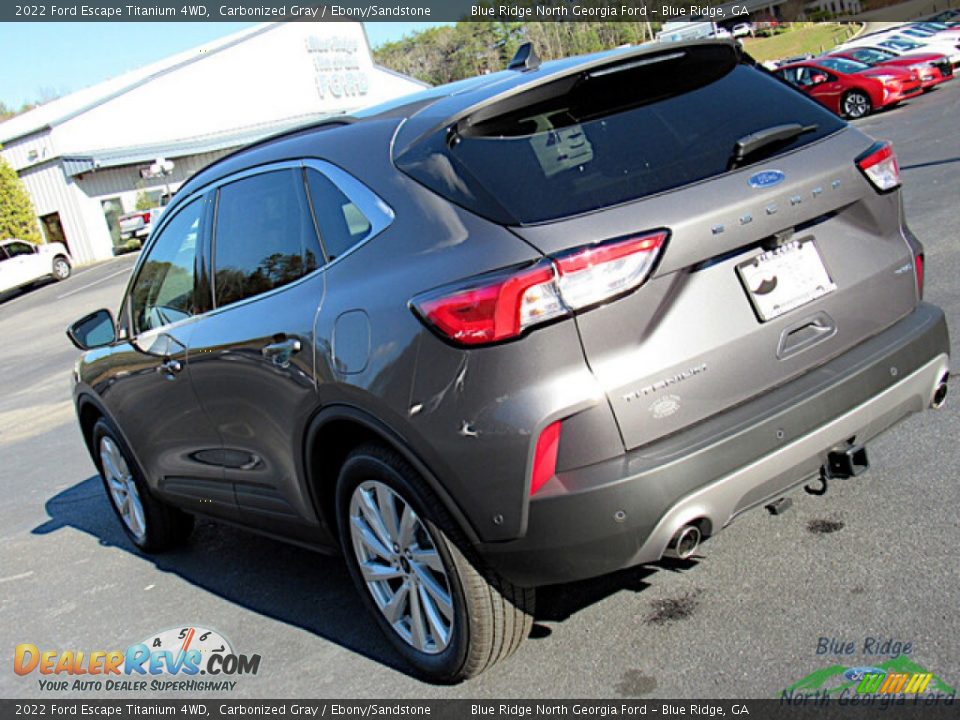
(529, 328)
(850, 88)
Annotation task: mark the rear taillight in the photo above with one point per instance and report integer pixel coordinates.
(879, 165)
(494, 307)
(545, 457)
(918, 267)
(501, 306)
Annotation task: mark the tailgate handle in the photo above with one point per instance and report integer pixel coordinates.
(806, 333)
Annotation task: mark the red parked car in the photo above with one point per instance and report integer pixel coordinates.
(849, 88)
(933, 68)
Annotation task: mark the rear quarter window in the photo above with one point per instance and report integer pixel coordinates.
(674, 122)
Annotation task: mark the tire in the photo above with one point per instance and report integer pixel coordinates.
(856, 104)
(151, 525)
(61, 268)
(488, 618)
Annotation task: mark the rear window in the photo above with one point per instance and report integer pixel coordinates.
(842, 65)
(898, 44)
(872, 55)
(611, 135)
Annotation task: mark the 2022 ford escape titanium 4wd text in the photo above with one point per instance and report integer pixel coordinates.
(528, 328)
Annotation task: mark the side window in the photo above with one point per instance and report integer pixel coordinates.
(3, 253)
(163, 292)
(20, 248)
(265, 237)
(342, 224)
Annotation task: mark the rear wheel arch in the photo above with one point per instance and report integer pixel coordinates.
(333, 434)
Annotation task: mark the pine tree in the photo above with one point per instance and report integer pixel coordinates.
(17, 218)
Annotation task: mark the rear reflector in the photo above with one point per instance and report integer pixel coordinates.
(545, 457)
(918, 266)
(500, 306)
(879, 165)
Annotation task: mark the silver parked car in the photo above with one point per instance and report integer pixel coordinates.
(529, 328)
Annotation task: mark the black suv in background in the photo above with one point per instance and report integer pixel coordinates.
(528, 328)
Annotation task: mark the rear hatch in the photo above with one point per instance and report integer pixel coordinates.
(775, 262)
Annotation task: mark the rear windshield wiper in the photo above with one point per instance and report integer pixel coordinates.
(749, 144)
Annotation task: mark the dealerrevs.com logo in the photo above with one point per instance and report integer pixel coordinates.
(172, 660)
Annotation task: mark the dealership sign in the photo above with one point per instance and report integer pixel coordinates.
(336, 64)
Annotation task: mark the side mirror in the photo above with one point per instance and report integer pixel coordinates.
(97, 329)
(819, 78)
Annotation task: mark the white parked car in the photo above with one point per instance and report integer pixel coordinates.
(22, 263)
(903, 44)
(742, 30)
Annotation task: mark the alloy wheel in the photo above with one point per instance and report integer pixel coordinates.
(856, 105)
(123, 488)
(401, 566)
(61, 269)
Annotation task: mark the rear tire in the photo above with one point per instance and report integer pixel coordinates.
(856, 104)
(151, 524)
(61, 268)
(418, 570)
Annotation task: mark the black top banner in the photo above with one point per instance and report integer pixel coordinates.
(772, 11)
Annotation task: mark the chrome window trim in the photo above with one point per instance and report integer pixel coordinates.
(376, 210)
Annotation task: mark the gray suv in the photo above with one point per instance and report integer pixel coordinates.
(524, 329)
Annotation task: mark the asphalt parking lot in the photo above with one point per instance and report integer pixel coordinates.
(871, 559)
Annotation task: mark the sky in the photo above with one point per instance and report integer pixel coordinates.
(42, 60)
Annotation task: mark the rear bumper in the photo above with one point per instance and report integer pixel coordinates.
(624, 511)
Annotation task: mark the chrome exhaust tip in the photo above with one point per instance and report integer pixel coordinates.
(684, 543)
(940, 394)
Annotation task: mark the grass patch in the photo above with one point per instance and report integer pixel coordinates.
(798, 39)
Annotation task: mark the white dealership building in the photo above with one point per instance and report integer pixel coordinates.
(86, 157)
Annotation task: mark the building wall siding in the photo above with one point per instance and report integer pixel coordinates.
(29, 150)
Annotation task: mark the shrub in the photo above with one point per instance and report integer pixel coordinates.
(17, 217)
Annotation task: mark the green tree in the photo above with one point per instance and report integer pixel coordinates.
(144, 201)
(448, 53)
(17, 217)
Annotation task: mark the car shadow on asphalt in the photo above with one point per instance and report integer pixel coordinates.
(292, 584)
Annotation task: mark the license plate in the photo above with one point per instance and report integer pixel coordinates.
(785, 278)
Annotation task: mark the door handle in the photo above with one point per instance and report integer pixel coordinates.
(279, 353)
(169, 368)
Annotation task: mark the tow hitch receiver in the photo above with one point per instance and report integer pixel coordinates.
(847, 463)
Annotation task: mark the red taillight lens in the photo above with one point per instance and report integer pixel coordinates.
(879, 165)
(918, 266)
(495, 307)
(500, 306)
(545, 457)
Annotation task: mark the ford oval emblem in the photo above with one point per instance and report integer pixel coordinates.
(766, 178)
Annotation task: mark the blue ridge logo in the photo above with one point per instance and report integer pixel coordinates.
(766, 178)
